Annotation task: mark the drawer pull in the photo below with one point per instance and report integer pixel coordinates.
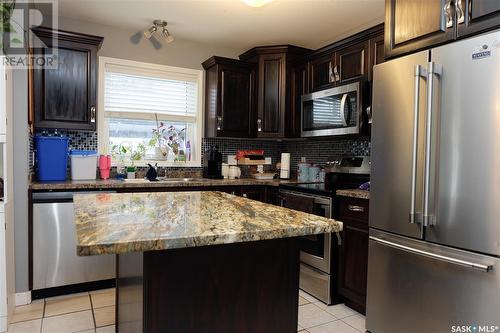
(355, 208)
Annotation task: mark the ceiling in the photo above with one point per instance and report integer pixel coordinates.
(231, 23)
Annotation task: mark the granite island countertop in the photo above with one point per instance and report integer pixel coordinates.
(354, 193)
(99, 184)
(127, 222)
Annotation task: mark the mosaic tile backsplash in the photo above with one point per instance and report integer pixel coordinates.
(314, 150)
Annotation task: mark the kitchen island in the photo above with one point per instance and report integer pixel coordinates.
(198, 261)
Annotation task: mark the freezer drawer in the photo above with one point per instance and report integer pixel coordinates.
(414, 286)
(55, 262)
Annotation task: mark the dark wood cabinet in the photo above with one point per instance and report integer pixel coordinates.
(321, 71)
(353, 266)
(229, 97)
(417, 24)
(475, 16)
(377, 55)
(412, 25)
(254, 192)
(300, 86)
(274, 114)
(271, 95)
(348, 60)
(65, 97)
(351, 63)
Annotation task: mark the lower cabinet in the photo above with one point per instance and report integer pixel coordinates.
(353, 266)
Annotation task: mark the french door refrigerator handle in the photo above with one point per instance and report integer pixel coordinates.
(420, 72)
(433, 70)
(455, 261)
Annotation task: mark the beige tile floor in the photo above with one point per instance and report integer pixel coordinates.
(94, 312)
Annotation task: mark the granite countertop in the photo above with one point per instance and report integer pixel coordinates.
(141, 183)
(354, 193)
(126, 222)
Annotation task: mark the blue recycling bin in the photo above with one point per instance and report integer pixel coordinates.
(51, 157)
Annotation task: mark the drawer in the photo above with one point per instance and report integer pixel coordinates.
(352, 209)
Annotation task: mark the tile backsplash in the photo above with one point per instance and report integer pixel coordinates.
(314, 150)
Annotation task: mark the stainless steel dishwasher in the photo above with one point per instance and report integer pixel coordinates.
(55, 262)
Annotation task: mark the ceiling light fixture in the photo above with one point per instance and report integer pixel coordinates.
(256, 3)
(159, 26)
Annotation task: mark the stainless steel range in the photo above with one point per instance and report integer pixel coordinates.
(319, 253)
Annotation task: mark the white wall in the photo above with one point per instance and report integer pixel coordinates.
(118, 44)
(20, 161)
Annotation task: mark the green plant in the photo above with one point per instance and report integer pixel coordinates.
(6, 10)
(123, 150)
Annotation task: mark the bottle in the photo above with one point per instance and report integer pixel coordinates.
(188, 150)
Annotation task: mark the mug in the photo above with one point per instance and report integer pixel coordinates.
(225, 170)
(234, 172)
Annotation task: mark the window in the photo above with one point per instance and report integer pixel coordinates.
(150, 113)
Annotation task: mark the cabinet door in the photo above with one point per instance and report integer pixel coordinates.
(351, 63)
(353, 265)
(299, 88)
(234, 115)
(417, 24)
(271, 101)
(475, 16)
(377, 55)
(65, 97)
(321, 70)
(255, 193)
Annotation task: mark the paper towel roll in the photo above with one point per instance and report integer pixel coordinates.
(285, 166)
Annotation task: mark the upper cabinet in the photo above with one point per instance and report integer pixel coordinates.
(65, 97)
(474, 16)
(351, 63)
(322, 71)
(348, 60)
(260, 94)
(416, 24)
(229, 97)
(412, 25)
(275, 117)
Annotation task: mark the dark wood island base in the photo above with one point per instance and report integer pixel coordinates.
(241, 287)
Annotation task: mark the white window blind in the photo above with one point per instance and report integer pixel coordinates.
(149, 93)
(154, 111)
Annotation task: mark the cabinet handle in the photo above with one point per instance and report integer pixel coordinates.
(336, 72)
(460, 11)
(245, 195)
(259, 125)
(331, 78)
(355, 208)
(219, 123)
(447, 14)
(92, 114)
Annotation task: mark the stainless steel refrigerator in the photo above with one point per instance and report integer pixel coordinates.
(434, 246)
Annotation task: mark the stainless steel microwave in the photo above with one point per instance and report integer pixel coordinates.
(335, 111)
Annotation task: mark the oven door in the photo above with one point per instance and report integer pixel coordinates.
(334, 111)
(315, 250)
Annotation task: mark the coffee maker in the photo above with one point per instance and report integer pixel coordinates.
(212, 163)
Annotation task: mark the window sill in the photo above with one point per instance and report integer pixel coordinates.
(165, 164)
